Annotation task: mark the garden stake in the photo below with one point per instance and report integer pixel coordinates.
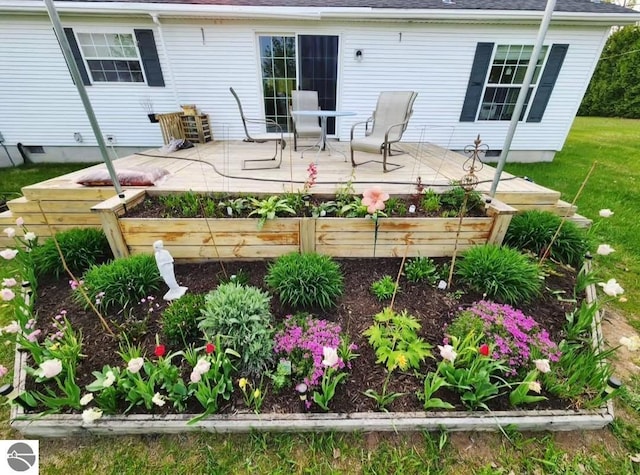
(206, 220)
(404, 258)
(546, 252)
(455, 244)
(66, 268)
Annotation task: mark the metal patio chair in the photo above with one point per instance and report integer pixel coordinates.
(276, 137)
(388, 123)
(304, 126)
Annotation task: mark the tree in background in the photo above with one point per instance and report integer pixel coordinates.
(614, 90)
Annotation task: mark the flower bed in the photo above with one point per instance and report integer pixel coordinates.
(541, 419)
(233, 238)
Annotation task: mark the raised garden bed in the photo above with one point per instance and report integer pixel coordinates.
(241, 238)
(280, 412)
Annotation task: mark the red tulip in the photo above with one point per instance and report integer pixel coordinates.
(160, 350)
(210, 348)
(484, 350)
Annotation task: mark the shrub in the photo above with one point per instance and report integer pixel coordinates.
(533, 231)
(515, 337)
(384, 288)
(81, 247)
(501, 273)
(430, 201)
(241, 316)
(306, 280)
(454, 197)
(180, 318)
(122, 282)
(420, 269)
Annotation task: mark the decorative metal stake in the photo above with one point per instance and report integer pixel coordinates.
(468, 182)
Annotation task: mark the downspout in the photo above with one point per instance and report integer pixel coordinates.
(524, 89)
(156, 20)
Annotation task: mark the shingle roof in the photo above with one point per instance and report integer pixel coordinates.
(578, 6)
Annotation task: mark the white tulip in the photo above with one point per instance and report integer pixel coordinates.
(50, 368)
(448, 353)
(542, 365)
(611, 288)
(158, 400)
(606, 213)
(90, 415)
(605, 249)
(331, 357)
(10, 232)
(86, 399)
(9, 254)
(135, 364)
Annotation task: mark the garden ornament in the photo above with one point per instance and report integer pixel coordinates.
(164, 260)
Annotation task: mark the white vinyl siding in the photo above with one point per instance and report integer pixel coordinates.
(40, 105)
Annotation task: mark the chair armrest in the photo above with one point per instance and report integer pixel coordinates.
(366, 127)
(267, 122)
(357, 124)
(392, 126)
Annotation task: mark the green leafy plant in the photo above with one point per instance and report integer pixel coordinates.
(395, 340)
(454, 197)
(430, 201)
(180, 318)
(330, 380)
(352, 208)
(384, 288)
(81, 248)
(253, 396)
(521, 394)
(269, 208)
(420, 269)
(325, 208)
(394, 206)
(501, 273)
(187, 205)
(122, 282)
(306, 280)
(241, 316)
(533, 231)
(241, 277)
(234, 206)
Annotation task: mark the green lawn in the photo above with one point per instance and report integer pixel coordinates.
(615, 145)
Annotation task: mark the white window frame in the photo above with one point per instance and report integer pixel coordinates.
(492, 106)
(110, 31)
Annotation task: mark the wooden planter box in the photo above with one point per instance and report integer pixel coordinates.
(238, 238)
(64, 425)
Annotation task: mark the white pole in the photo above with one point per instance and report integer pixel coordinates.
(533, 60)
(75, 74)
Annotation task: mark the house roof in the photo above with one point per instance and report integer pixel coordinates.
(577, 6)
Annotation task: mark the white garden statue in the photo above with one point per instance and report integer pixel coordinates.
(164, 260)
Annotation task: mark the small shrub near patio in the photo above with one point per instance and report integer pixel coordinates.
(241, 316)
(81, 247)
(180, 318)
(384, 288)
(501, 273)
(516, 338)
(454, 198)
(533, 230)
(123, 282)
(306, 281)
(421, 269)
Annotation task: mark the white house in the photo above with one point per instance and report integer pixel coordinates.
(463, 57)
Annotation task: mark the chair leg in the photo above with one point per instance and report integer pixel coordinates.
(353, 162)
(282, 144)
(295, 141)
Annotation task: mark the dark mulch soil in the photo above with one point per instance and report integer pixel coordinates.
(354, 313)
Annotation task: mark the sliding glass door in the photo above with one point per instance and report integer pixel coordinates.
(311, 63)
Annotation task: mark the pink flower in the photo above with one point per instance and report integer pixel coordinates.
(9, 282)
(7, 294)
(13, 327)
(10, 232)
(3, 371)
(542, 365)
(9, 254)
(20, 222)
(448, 353)
(33, 336)
(374, 199)
(50, 368)
(75, 284)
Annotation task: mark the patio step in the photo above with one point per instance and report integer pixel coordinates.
(581, 221)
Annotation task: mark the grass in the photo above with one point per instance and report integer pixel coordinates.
(614, 184)
(13, 179)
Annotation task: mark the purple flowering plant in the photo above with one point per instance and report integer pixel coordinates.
(301, 340)
(517, 338)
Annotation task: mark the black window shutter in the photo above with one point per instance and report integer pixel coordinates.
(149, 55)
(547, 82)
(476, 82)
(77, 56)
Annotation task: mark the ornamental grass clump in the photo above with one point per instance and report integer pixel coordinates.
(180, 318)
(500, 273)
(420, 269)
(533, 231)
(81, 248)
(241, 316)
(122, 283)
(306, 281)
(516, 337)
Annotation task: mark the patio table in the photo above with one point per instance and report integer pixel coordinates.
(322, 141)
